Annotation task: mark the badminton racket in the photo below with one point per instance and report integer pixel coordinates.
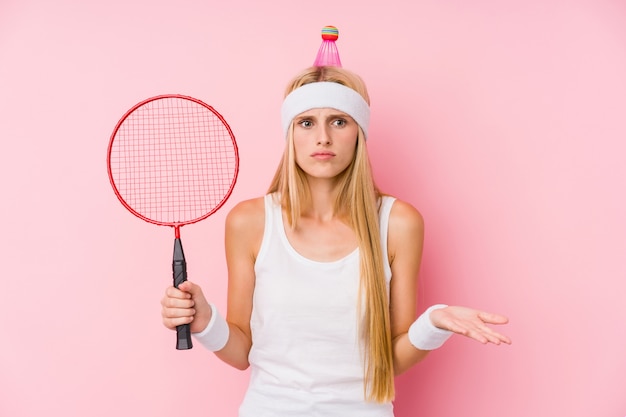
(172, 161)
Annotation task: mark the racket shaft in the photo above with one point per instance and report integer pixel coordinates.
(179, 269)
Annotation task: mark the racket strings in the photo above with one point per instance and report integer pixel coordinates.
(173, 160)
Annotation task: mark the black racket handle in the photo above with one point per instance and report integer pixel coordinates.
(179, 269)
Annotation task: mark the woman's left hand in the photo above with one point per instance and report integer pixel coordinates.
(471, 323)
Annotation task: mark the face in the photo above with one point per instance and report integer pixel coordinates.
(324, 141)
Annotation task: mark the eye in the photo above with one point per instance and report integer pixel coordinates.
(339, 122)
(305, 123)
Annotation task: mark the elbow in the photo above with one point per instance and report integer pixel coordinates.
(406, 356)
(241, 363)
(242, 366)
(399, 370)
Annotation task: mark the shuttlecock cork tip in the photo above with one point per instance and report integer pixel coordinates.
(330, 33)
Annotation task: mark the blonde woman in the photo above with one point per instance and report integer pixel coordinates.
(323, 272)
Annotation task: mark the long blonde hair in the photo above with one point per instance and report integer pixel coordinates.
(358, 201)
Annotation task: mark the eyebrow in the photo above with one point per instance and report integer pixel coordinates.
(338, 115)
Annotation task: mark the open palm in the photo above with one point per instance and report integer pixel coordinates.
(471, 323)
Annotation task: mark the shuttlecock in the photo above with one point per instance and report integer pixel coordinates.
(328, 55)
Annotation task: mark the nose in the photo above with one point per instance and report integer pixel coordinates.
(323, 137)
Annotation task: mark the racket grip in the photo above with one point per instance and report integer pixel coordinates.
(179, 270)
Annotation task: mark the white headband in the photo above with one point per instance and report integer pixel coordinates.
(325, 94)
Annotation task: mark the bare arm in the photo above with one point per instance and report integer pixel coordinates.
(244, 232)
(188, 305)
(405, 243)
(406, 235)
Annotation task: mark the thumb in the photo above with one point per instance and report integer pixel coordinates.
(188, 286)
(493, 318)
(193, 289)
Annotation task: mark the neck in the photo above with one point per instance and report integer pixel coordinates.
(323, 197)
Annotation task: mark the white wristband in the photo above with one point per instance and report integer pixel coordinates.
(424, 335)
(215, 335)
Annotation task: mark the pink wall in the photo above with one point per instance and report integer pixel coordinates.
(503, 122)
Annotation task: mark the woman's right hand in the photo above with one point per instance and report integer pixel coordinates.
(185, 305)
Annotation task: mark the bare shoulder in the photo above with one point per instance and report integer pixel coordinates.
(406, 231)
(247, 214)
(404, 216)
(245, 225)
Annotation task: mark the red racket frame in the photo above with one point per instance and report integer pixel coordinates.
(175, 225)
(179, 265)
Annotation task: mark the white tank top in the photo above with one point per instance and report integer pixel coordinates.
(306, 359)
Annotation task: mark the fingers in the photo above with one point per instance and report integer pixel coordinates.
(177, 308)
(175, 317)
(474, 324)
(176, 293)
(174, 297)
(480, 333)
(185, 305)
(491, 335)
(492, 318)
(486, 335)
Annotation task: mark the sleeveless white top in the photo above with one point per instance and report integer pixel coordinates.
(306, 358)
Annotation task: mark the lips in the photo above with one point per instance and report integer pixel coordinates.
(322, 155)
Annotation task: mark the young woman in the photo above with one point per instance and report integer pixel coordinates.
(323, 272)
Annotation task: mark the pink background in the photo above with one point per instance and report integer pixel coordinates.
(502, 121)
